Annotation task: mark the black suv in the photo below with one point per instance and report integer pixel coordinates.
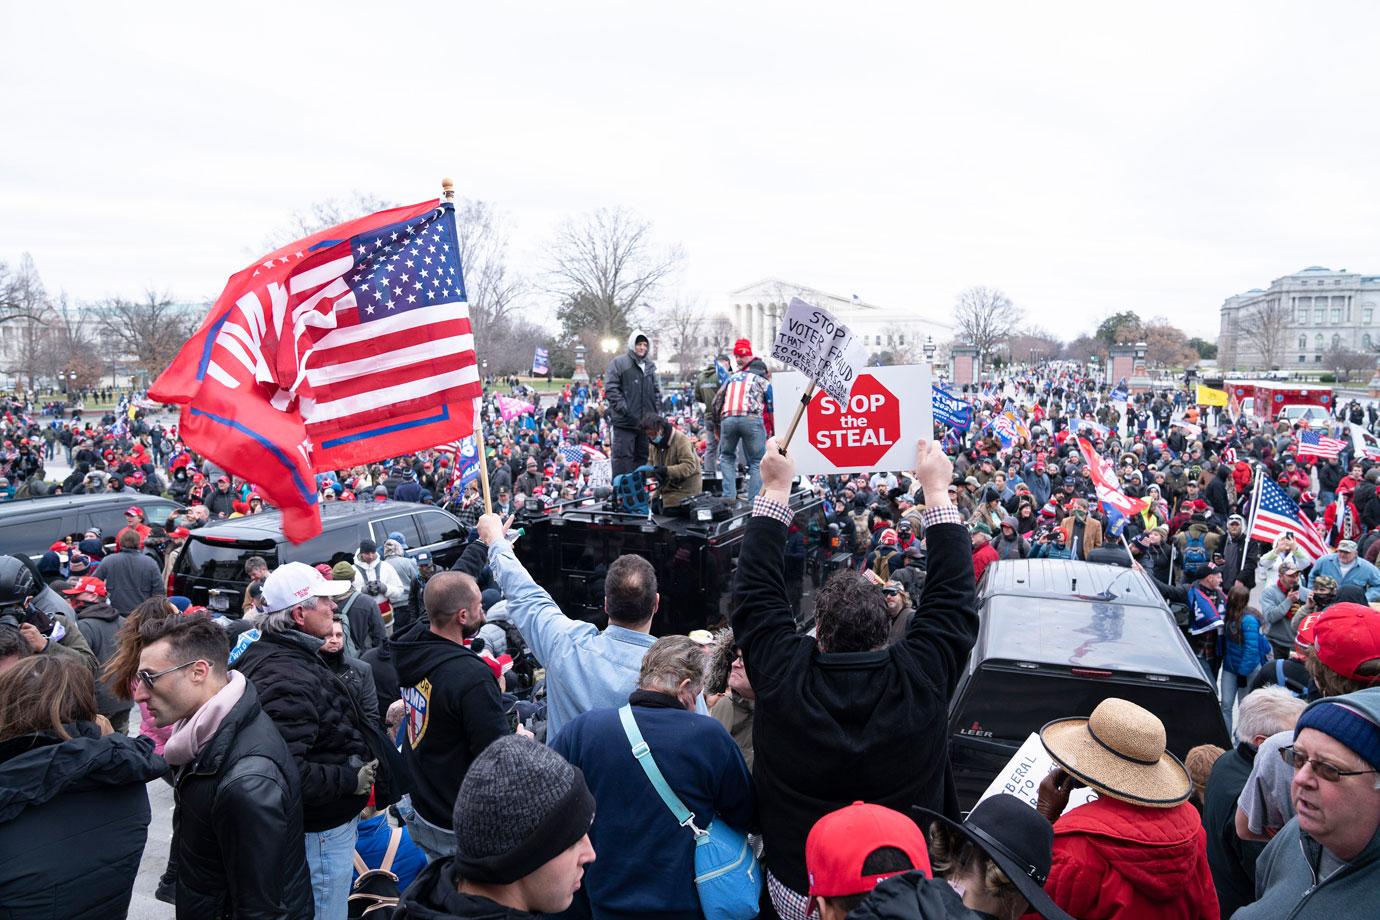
(31, 525)
(1057, 638)
(214, 556)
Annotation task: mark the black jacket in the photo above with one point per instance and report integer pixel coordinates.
(367, 629)
(632, 389)
(311, 707)
(829, 728)
(911, 896)
(239, 824)
(74, 817)
(100, 623)
(1231, 859)
(432, 896)
(1241, 557)
(453, 712)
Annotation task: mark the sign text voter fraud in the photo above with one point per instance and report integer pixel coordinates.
(888, 410)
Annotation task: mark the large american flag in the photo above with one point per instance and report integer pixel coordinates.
(1273, 513)
(1317, 444)
(346, 347)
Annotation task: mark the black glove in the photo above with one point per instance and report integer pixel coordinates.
(661, 473)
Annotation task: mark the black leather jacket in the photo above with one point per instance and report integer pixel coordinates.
(239, 824)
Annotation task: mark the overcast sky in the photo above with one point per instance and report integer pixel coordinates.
(1084, 158)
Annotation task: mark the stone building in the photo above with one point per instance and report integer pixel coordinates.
(1312, 311)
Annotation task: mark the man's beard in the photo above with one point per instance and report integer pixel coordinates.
(470, 630)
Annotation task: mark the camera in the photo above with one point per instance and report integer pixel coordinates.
(17, 615)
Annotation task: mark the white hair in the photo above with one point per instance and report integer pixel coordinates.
(1267, 711)
(277, 621)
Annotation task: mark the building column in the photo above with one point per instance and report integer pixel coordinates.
(759, 318)
(737, 320)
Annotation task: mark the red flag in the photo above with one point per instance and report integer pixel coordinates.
(1105, 482)
(349, 346)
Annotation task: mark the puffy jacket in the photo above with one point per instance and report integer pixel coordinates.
(316, 717)
(239, 824)
(382, 572)
(631, 387)
(74, 818)
(1117, 860)
(1241, 656)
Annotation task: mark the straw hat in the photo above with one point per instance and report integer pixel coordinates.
(1119, 751)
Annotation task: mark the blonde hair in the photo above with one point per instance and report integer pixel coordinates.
(951, 853)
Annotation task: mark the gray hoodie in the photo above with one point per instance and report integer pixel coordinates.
(1287, 874)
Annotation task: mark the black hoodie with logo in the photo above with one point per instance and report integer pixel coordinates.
(453, 712)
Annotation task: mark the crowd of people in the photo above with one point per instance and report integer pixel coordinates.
(449, 743)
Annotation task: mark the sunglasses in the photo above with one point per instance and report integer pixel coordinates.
(1296, 759)
(892, 592)
(147, 678)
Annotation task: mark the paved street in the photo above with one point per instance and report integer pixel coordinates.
(144, 906)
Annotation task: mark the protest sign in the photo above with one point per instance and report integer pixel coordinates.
(875, 428)
(950, 410)
(1022, 775)
(541, 364)
(814, 342)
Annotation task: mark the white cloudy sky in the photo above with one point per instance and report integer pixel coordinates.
(1085, 158)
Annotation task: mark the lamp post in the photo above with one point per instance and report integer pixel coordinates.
(581, 375)
(929, 349)
(609, 344)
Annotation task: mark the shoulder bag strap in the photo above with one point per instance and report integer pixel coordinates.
(360, 865)
(644, 758)
(391, 853)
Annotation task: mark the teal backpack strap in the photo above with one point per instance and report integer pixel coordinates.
(644, 758)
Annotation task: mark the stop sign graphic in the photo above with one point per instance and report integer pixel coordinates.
(860, 433)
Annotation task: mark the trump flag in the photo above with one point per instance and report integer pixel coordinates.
(346, 347)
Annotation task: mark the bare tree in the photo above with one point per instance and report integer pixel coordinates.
(720, 334)
(150, 331)
(492, 290)
(680, 327)
(605, 268)
(1033, 344)
(22, 295)
(1264, 329)
(1344, 361)
(319, 215)
(509, 344)
(985, 317)
(1166, 345)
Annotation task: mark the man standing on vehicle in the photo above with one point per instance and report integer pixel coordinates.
(827, 707)
(738, 409)
(453, 706)
(632, 390)
(317, 717)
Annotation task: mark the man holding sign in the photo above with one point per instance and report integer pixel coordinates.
(836, 713)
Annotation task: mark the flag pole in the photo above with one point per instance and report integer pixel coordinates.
(481, 443)
(795, 419)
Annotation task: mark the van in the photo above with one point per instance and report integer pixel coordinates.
(214, 557)
(1056, 638)
(30, 525)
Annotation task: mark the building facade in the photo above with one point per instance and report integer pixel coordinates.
(757, 311)
(1309, 313)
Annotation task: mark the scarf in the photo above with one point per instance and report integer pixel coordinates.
(192, 734)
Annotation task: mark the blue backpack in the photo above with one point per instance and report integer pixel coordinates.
(727, 876)
(1195, 554)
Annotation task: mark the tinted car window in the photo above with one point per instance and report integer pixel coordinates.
(336, 545)
(438, 527)
(222, 562)
(401, 523)
(26, 538)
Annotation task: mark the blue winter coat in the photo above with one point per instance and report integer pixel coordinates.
(1243, 657)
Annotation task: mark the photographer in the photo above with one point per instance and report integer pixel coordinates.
(44, 632)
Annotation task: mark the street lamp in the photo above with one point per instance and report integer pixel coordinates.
(929, 349)
(609, 344)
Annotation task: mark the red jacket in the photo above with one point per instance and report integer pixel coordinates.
(982, 558)
(1122, 861)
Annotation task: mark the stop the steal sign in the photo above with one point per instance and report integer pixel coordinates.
(888, 410)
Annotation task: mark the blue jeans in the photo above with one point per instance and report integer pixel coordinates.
(435, 842)
(1233, 689)
(331, 861)
(750, 430)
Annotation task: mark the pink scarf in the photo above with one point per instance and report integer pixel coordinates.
(191, 735)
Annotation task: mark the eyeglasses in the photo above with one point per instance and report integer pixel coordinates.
(1296, 759)
(891, 592)
(147, 678)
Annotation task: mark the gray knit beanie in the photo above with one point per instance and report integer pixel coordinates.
(520, 806)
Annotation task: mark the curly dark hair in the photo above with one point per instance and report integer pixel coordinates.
(850, 614)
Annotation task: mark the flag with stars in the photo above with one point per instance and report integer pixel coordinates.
(349, 346)
(1273, 513)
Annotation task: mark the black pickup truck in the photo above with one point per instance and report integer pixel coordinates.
(1057, 638)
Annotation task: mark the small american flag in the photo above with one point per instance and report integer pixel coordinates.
(1273, 513)
(1316, 444)
(578, 453)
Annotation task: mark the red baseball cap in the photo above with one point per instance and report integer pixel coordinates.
(1346, 636)
(87, 584)
(742, 349)
(135, 510)
(840, 842)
